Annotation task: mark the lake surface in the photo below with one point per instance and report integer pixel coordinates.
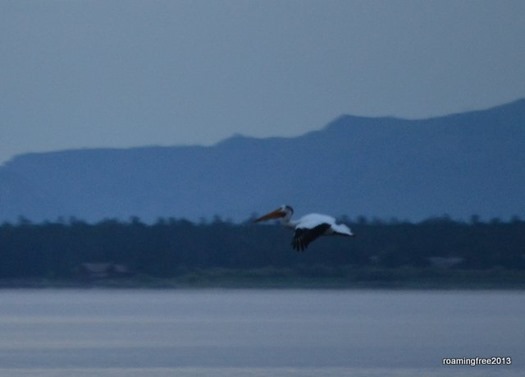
(258, 332)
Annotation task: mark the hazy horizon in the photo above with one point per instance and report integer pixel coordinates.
(239, 134)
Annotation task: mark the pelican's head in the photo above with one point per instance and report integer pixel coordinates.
(283, 213)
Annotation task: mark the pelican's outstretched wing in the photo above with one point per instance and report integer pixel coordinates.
(303, 236)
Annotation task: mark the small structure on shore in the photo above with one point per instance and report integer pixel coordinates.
(96, 271)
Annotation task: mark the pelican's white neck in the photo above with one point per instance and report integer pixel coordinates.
(287, 211)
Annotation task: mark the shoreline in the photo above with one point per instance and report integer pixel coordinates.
(307, 278)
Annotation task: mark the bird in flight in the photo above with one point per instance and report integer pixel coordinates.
(307, 228)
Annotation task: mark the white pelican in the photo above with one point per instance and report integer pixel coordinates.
(308, 227)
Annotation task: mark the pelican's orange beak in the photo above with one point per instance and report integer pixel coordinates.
(277, 214)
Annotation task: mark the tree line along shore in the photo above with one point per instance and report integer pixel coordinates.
(437, 252)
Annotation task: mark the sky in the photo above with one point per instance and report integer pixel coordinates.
(124, 73)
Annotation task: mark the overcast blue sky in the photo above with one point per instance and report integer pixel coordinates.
(103, 73)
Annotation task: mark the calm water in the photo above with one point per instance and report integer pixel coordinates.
(258, 332)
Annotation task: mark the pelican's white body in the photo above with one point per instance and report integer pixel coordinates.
(312, 220)
(308, 227)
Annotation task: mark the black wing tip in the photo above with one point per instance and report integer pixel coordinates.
(298, 246)
(304, 236)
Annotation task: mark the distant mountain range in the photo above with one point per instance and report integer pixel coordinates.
(460, 165)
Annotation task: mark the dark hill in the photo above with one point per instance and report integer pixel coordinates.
(461, 164)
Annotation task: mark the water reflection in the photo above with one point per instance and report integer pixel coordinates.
(283, 330)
